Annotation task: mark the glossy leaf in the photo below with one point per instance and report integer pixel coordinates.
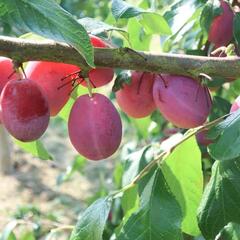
(49, 20)
(96, 27)
(183, 173)
(122, 9)
(159, 216)
(154, 23)
(229, 232)
(236, 30)
(91, 224)
(221, 198)
(227, 143)
(36, 148)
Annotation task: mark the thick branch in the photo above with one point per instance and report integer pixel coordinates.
(25, 50)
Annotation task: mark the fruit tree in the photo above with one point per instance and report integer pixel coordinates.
(150, 87)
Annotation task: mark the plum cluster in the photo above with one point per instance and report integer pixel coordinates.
(95, 129)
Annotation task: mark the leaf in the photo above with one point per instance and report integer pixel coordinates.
(121, 9)
(96, 27)
(183, 173)
(138, 38)
(236, 30)
(124, 77)
(220, 108)
(159, 216)
(91, 224)
(221, 198)
(227, 144)
(130, 201)
(49, 20)
(78, 164)
(27, 236)
(142, 126)
(7, 233)
(154, 23)
(229, 232)
(135, 162)
(36, 148)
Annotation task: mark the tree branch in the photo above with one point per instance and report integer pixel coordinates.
(23, 50)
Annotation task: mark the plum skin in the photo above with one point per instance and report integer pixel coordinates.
(6, 69)
(99, 76)
(94, 127)
(221, 29)
(25, 110)
(48, 75)
(136, 99)
(184, 102)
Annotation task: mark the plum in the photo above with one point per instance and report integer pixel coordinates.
(25, 109)
(94, 127)
(221, 28)
(48, 75)
(136, 99)
(7, 72)
(182, 100)
(100, 76)
(236, 105)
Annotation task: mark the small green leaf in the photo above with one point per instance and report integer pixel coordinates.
(135, 162)
(221, 198)
(49, 20)
(154, 23)
(183, 173)
(236, 29)
(36, 148)
(138, 38)
(96, 27)
(124, 77)
(229, 232)
(7, 233)
(122, 9)
(91, 224)
(159, 216)
(227, 144)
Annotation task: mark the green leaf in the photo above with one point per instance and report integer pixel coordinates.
(27, 236)
(220, 107)
(7, 233)
(159, 216)
(221, 198)
(121, 9)
(142, 126)
(96, 27)
(49, 20)
(183, 173)
(154, 23)
(78, 165)
(135, 162)
(236, 29)
(138, 38)
(36, 148)
(91, 224)
(229, 232)
(227, 144)
(130, 201)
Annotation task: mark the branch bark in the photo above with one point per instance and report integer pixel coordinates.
(22, 50)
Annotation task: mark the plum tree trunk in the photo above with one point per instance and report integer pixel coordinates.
(6, 164)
